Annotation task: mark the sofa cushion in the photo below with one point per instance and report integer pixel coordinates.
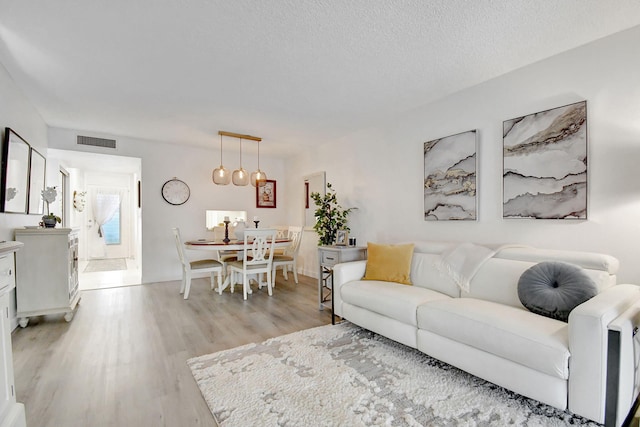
(388, 299)
(553, 289)
(390, 263)
(497, 281)
(512, 333)
(425, 274)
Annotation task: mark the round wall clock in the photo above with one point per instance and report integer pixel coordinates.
(175, 192)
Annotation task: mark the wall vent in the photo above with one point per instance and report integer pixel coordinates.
(96, 142)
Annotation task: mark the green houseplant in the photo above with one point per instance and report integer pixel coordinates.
(50, 219)
(330, 216)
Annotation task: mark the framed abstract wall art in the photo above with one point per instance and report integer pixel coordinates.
(37, 167)
(450, 177)
(545, 164)
(15, 173)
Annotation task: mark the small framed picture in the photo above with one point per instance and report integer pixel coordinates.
(342, 237)
(266, 195)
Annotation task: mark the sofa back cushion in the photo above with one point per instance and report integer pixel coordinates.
(497, 279)
(425, 275)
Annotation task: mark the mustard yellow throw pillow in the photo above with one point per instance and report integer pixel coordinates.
(389, 263)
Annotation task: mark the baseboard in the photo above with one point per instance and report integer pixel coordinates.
(311, 273)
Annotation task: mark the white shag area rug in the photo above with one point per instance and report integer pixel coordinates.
(343, 375)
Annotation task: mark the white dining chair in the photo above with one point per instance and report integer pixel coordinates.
(200, 266)
(281, 233)
(288, 259)
(257, 260)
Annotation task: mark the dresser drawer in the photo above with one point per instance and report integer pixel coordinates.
(7, 272)
(329, 259)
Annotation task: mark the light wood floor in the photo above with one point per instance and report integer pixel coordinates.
(122, 359)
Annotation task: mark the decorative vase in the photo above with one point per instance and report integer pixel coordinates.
(49, 222)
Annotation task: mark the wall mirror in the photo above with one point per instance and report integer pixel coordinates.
(15, 173)
(313, 183)
(215, 218)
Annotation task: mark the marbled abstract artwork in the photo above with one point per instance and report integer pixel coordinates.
(450, 178)
(545, 164)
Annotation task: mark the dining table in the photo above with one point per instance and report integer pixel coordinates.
(232, 245)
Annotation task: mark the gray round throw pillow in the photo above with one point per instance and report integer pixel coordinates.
(553, 289)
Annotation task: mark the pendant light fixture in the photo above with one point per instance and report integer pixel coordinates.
(240, 176)
(258, 178)
(221, 175)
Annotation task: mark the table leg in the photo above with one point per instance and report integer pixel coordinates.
(333, 313)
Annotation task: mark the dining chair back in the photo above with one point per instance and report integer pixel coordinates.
(258, 259)
(200, 266)
(288, 259)
(281, 231)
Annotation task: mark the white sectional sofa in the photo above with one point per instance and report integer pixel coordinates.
(487, 331)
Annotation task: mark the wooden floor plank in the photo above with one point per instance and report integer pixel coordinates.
(122, 360)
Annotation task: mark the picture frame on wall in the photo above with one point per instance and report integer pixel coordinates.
(342, 237)
(545, 164)
(37, 168)
(450, 171)
(266, 195)
(14, 185)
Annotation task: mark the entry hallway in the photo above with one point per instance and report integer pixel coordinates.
(122, 359)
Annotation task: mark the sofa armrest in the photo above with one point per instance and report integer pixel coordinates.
(343, 273)
(588, 346)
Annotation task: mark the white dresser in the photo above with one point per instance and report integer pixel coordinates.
(11, 412)
(47, 273)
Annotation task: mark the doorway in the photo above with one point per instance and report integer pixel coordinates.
(108, 218)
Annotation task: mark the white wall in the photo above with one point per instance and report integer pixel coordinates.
(161, 162)
(380, 170)
(18, 114)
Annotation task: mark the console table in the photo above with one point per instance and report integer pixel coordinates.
(47, 269)
(328, 257)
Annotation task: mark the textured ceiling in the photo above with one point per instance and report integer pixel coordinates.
(294, 72)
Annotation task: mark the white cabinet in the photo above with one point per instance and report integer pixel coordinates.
(11, 413)
(47, 273)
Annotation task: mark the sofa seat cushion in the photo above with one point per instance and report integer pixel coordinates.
(512, 333)
(388, 299)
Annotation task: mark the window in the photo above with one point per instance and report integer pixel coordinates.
(111, 228)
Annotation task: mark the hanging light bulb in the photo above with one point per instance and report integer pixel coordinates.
(258, 178)
(221, 175)
(240, 176)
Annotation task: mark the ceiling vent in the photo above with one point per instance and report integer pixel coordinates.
(96, 142)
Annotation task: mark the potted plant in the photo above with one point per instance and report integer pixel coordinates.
(50, 219)
(330, 216)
